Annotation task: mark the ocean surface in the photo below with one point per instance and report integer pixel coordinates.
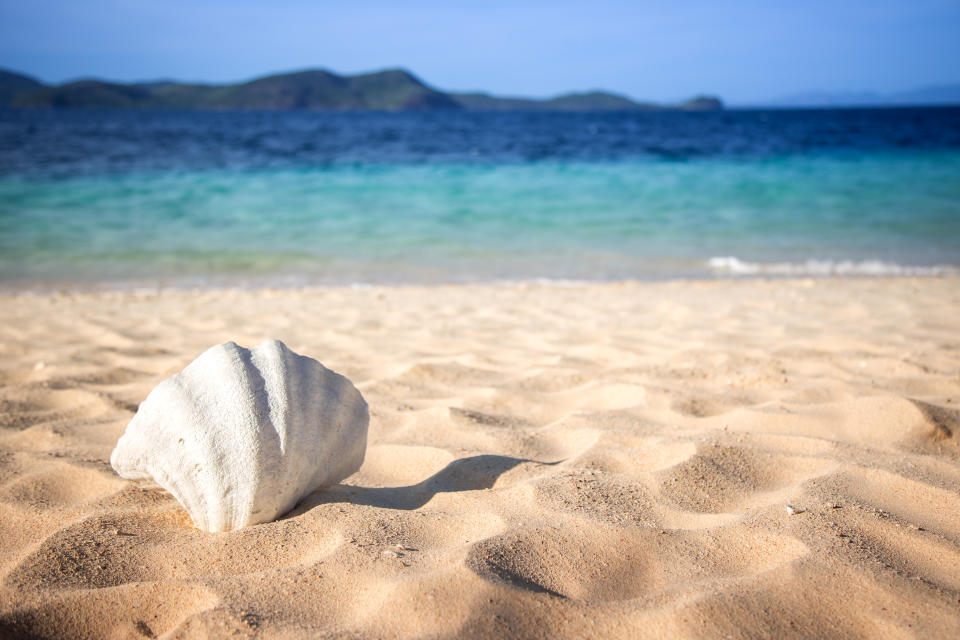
(153, 198)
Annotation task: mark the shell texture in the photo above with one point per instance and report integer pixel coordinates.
(240, 436)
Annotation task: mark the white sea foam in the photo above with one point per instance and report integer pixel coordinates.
(731, 265)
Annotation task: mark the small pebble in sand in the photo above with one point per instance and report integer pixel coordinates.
(792, 510)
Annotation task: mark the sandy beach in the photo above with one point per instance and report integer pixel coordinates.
(581, 461)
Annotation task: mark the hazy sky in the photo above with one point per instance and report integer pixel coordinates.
(743, 51)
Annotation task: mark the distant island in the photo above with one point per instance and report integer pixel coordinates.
(313, 89)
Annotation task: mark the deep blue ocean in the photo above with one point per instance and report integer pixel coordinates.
(120, 198)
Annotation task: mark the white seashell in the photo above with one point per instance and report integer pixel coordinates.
(241, 435)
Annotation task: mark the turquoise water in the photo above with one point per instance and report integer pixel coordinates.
(822, 211)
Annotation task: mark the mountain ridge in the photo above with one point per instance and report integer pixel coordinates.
(317, 89)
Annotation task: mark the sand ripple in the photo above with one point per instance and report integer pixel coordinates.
(545, 462)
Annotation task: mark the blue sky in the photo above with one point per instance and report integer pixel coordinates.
(745, 51)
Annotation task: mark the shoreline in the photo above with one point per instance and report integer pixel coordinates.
(46, 288)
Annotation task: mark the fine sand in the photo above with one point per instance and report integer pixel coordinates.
(602, 460)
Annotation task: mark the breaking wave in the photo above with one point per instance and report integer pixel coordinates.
(731, 265)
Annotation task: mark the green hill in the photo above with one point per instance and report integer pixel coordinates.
(589, 101)
(391, 90)
(13, 84)
(313, 89)
(592, 101)
(702, 103)
(85, 94)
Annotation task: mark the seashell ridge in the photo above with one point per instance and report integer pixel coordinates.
(240, 436)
